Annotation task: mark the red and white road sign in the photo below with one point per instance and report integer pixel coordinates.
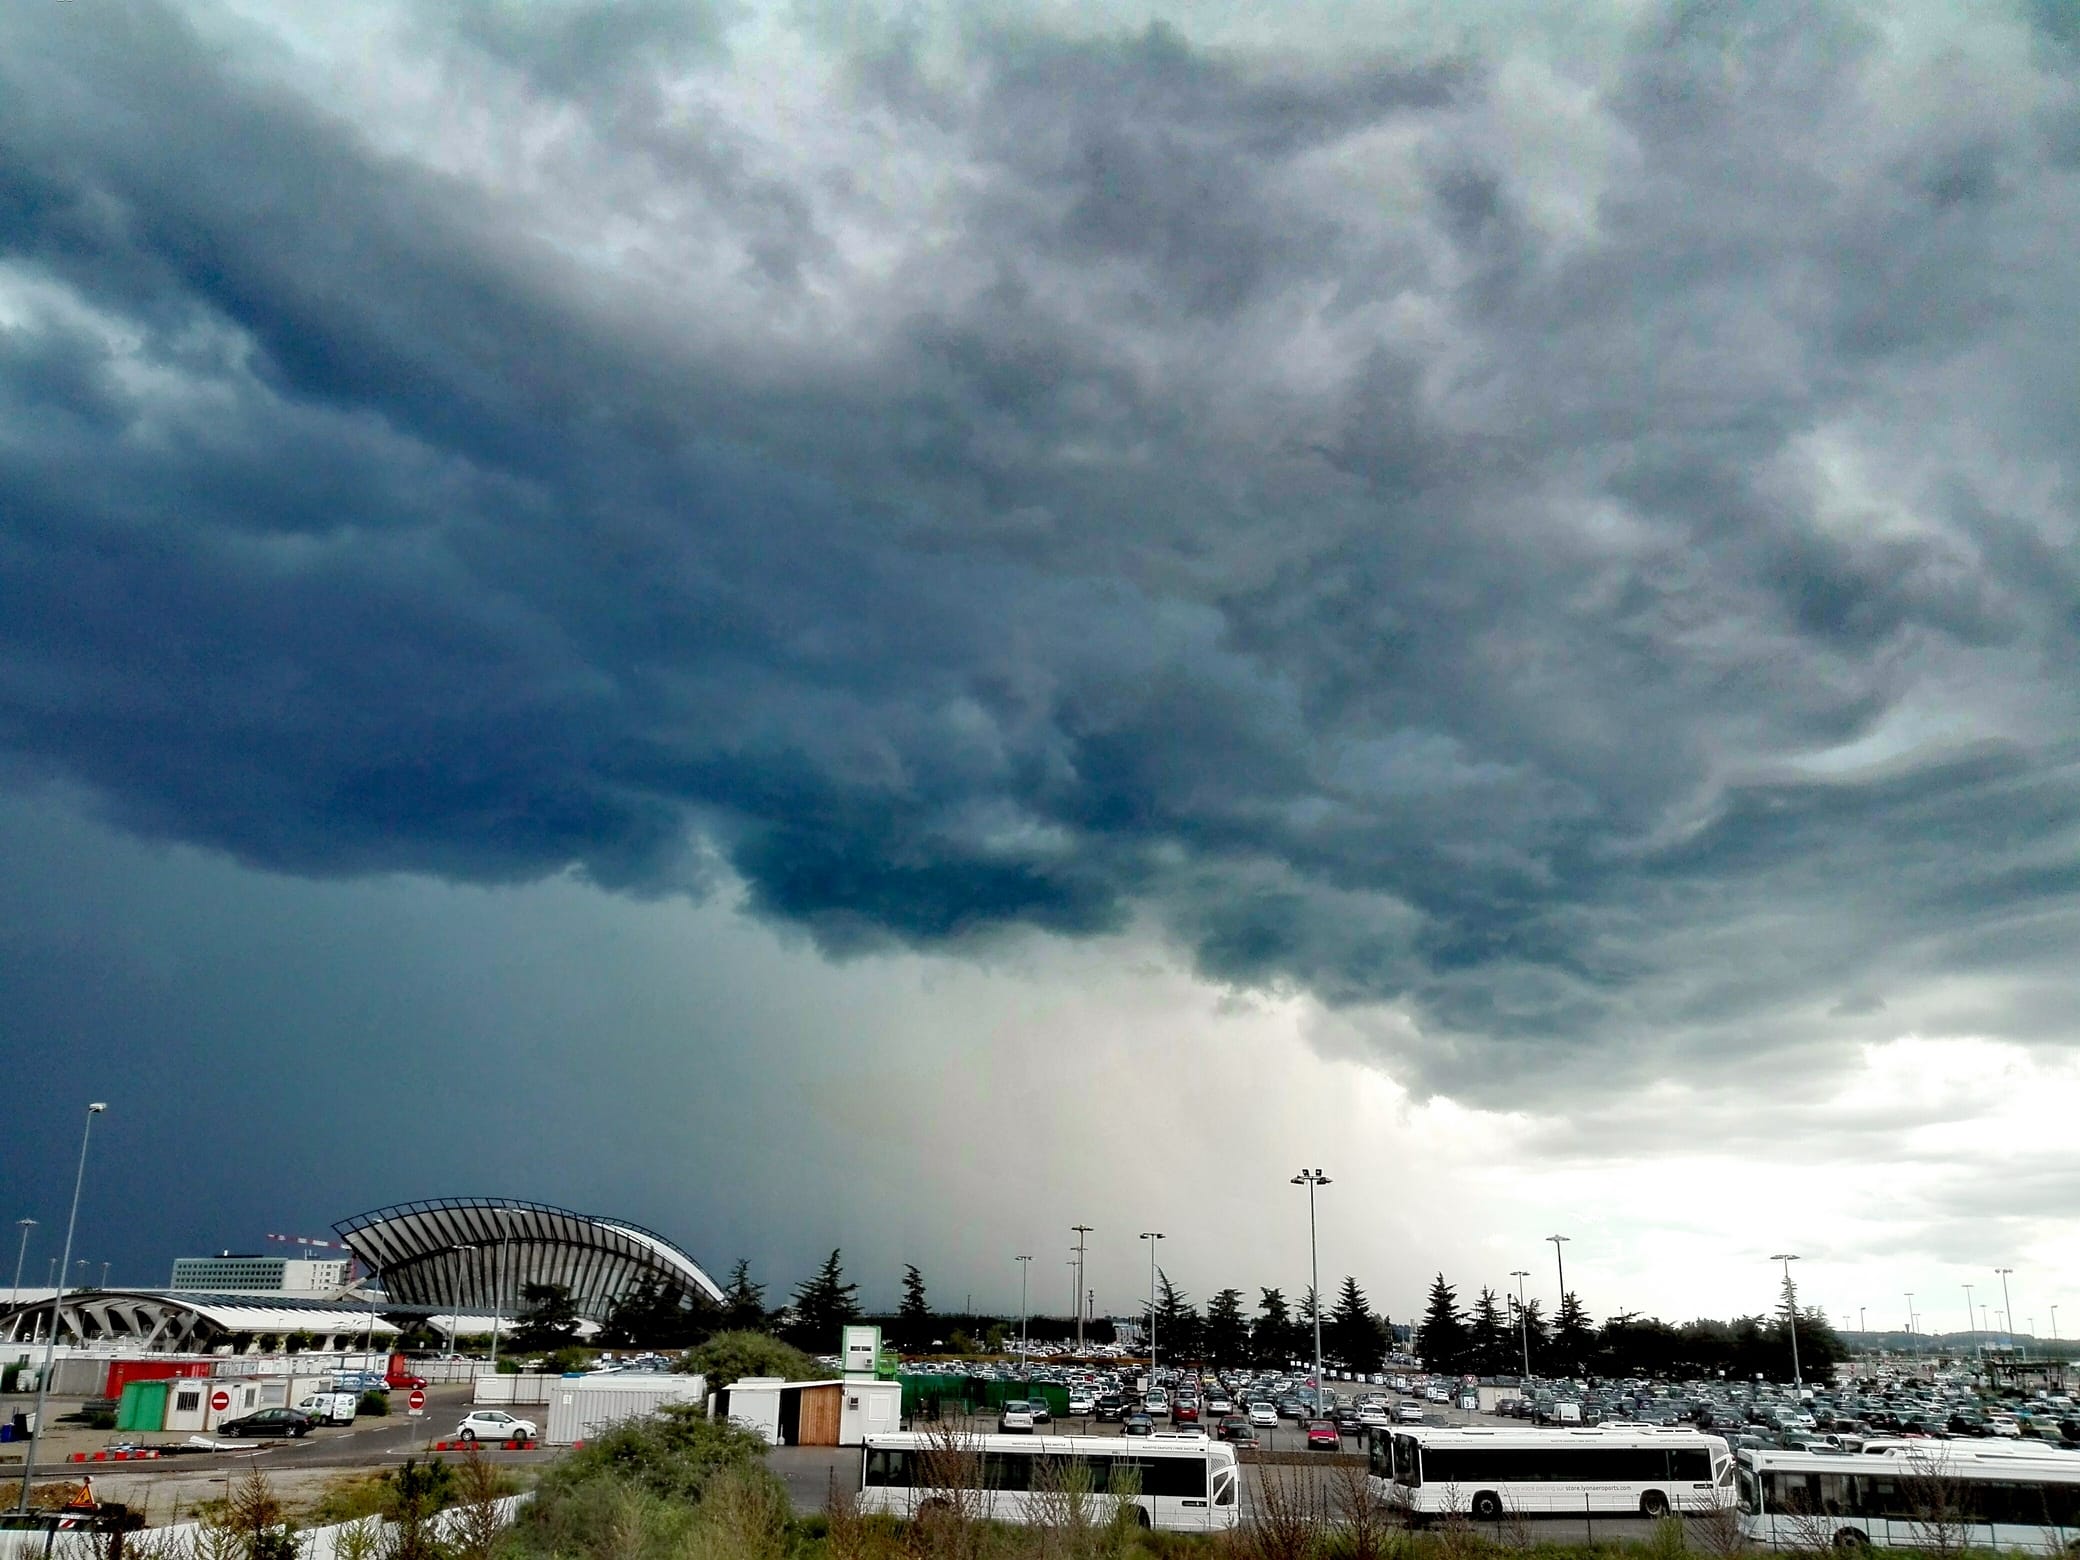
(220, 1400)
(415, 1405)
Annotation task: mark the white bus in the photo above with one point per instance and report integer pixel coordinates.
(1929, 1498)
(1180, 1483)
(1488, 1474)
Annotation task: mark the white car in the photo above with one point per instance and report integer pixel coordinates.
(1016, 1415)
(1409, 1413)
(1081, 1402)
(1263, 1416)
(490, 1424)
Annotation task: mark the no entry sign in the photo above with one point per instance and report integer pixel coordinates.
(416, 1403)
(220, 1400)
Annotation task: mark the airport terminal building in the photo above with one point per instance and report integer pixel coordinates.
(477, 1255)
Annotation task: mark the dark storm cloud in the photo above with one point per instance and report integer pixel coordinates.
(1245, 502)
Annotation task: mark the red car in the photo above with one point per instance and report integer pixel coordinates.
(1185, 1411)
(1322, 1437)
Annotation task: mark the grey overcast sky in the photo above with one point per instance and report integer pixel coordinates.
(895, 626)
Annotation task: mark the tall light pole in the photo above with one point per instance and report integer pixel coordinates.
(14, 1295)
(2054, 1324)
(455, 1318)
(1558, 1241)
(1025, 1266)
(1911, 1346)
(1151, 1236)
(1311, 1179)
(2007, 1309)
(1798, 1384)
(50, 1344)
(498, 1268)
(1081, 1231)
(1970, 1316)
(1523, 1318)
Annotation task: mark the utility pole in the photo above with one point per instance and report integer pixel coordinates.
(1311, 1179)
(1971, 1318)
(50, 1344)
(2007, 1309)
(1151, 1236)
(1081, 1231)
(1791, 1318)
(1561, 1263)
(1523, 1318)
(1025, 1267)
(14, 1295)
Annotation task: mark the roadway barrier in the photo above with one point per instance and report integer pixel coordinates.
(136, 1454)
(483, 1446)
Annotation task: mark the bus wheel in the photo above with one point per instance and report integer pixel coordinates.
(1653, 1504)
(1142, 1518)
(1850, 1538)
(1487, 1507)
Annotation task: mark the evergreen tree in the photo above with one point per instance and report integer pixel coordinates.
(1179, 1332)
(548, 1320)
(656, 1315)
(1541, 1333)
(1351, 1334)
(1487, 1341)
(822, 1306)
(1441, 1336)
(1574, 1337)
(1271, 1338)
(1227, 1332)
(743, 1302)
(914, 1315)
(1527, 1336)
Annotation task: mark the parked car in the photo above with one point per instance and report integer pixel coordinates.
(1263, 1415)
(1322, 1437)
(1016, 1415)
(1137, 1424)
(1081, 1402)
(1186, 1412)
(268, 1421)
(492, 1424)
(1111, 1408)
(330, 1408)
(1042, 1415)
(1409, 1413)
(1239, 1430)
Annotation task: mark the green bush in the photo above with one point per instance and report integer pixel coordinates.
(374, 1404)
(673, 1456)
(731, 1356)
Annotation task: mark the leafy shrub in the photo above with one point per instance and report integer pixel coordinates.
(374, 1404)
(731, 1356)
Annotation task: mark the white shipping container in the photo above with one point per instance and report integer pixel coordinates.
(580, 1407)
(504, 1391)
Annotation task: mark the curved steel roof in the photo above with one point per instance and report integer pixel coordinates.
(476, 1253)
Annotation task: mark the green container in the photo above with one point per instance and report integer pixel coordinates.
(143, 1406)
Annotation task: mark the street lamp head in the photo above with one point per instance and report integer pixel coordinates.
(1151, 1234)
(1785, 1256)
(25, 1223)
(1558, 1238)
(96, 1108)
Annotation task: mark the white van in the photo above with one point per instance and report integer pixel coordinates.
(330, 1408)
